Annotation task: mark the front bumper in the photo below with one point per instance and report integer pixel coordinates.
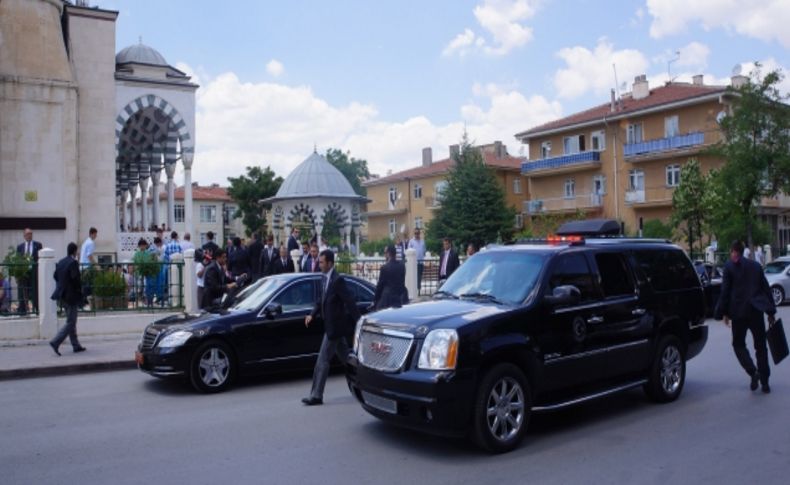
(169, 362)
(438, 402)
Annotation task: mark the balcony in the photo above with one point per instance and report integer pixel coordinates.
(662, 147)
(561, 164)
(650, 197)
(563, 204)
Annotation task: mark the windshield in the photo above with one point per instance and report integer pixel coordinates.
(776, 267)
(261, 291)
(506, 276)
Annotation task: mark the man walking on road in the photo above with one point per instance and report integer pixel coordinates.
(69, 291)
(335, 304)
(745, 296)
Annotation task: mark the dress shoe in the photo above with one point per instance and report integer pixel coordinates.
(766, 388)
(312, 401)
(755, 381)
(79, 349)
(55, 348)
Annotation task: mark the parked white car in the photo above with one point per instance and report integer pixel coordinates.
(777, 272)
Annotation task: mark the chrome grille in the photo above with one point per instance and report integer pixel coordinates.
(149, 338)
(384, 350)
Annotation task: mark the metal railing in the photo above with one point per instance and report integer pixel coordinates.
(19, 288)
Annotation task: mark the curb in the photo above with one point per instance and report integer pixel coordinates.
(24, 373)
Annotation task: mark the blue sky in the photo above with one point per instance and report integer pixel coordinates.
(383, 79)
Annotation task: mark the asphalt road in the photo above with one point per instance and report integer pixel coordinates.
(126, 427)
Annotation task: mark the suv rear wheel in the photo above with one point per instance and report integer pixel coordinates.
(668, 372)
(502, 409)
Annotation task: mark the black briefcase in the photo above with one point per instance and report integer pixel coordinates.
(777, 341)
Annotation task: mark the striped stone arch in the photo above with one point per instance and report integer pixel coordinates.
(151, 100)
(339, 212)
(301, 209)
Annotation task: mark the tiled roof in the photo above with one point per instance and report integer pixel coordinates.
(210, 192)
(443, 166)
(670, 93)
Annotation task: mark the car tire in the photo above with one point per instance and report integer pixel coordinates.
(502, 409)
(668, 371)
(212, 367)
(778, 294)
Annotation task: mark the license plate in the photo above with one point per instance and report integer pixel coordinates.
(139, 358)
(380, 403)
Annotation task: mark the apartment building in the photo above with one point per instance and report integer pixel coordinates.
(622, 159)
(403, 201)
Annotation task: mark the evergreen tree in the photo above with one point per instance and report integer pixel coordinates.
(353, 169)
(247, 190)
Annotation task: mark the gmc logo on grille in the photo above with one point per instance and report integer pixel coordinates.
(380, 348)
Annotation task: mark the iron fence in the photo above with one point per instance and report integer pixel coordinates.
(18, 289)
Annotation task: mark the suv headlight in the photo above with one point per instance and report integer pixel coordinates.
(440, 350)
(175, 339)
(357, 331)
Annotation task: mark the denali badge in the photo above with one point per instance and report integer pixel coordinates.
(380, 347)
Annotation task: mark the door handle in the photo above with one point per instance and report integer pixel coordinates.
(638, 312)
(594, 320)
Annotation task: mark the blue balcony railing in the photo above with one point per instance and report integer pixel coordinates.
(559, 162)
(664, 144)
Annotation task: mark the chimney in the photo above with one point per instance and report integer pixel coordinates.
(697, 80)
(499, 149)
(612, 102)
(455, 151)
(738, 81)
(427, 157)
(641, 90)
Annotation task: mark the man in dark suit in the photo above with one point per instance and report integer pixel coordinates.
(745, 296)
(254, 252)
(268, 254)
(28, 284)
(309, 262)
(391, 287)
(283, 264)
(293, 240)
(215, 284)
(339, 311)
(239, 260)
(68, 291)
(210, 247)
(448, 260)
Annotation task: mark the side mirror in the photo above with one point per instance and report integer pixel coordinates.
(564, 295)
(273, 309)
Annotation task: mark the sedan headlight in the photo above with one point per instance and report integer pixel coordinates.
(440, 350)
(357, 331)
(175, 339)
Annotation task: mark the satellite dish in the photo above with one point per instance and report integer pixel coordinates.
(736, 70)
(403, 228)
(400, 194)
(721, 115)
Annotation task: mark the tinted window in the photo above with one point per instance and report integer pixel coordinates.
(299, 295)
(614, 273)
(666, 269)
(361, 294)
(776, 267)
(572, 269)
(508, 276)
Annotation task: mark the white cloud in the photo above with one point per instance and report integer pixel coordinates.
(275, 68)
(694, 54)
(502, 20)
(766, 20)
(241, 124)
(591, 70)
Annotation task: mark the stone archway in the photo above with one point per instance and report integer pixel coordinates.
(336, 224)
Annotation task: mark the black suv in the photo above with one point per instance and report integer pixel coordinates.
(534, 326)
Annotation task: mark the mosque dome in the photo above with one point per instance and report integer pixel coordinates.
(315, 177)
(140, 54)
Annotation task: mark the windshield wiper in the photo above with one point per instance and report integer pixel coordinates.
(484, 296)
(445, 293)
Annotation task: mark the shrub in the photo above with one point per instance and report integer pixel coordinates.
(19, 265)
(109, 283)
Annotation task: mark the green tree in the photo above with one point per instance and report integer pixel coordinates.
(355, 170)
(247, 190)
(755, 147)
(473, 207)
(656, 228)
(689, 204)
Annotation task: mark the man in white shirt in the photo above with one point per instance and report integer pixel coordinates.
(418, 244)
(88, 248)
(187, 242)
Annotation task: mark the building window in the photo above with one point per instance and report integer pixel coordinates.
(517, 185)
(570, 188)
(671, 126)
(418, 222)
(393, 227)
(636, 180)
(417, 191)
(519, 223)
(545, 149)
(598, 141)
(227, 214)
(438, 190)
(673, 175)
(599, 185)
(573, 144)
(392, 197)
(203, 238)
(208, 214)
(179, 212)
(634, 133)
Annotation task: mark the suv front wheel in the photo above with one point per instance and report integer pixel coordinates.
(668, 371)
(502, 409)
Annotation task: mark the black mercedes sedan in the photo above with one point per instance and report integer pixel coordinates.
(262, 330)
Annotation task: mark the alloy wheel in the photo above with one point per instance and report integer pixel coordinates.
(505, 409)
(214, 367)
(671, 369)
